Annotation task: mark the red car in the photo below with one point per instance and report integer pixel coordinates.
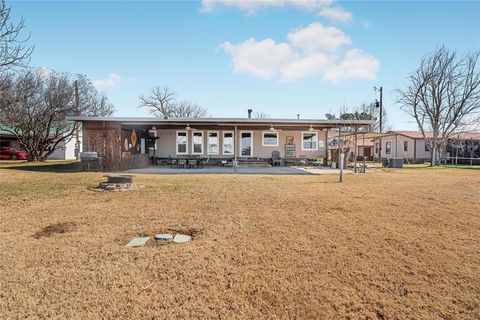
(12, 154)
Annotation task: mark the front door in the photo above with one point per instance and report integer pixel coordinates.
(246, 144)
(367, 152)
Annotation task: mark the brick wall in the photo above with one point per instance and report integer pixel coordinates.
(104, 138)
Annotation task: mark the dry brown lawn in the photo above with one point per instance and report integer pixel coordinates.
(391, 245)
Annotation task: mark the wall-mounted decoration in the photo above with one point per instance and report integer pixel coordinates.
(125, 144)
(289, 140)
(133, 138)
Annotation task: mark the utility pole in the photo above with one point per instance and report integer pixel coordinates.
(381, 109)
(380, 106)
(77, 106)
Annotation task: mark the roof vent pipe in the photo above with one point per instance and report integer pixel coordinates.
(249, 113)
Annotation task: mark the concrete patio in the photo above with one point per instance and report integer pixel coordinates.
(229, 170)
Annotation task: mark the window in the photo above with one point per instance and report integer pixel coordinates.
(213, 146)
(182, 140)
(197, 142)
(228, 143)
(246, 143)
(309, 141)
(388, 147)
(270, 138)
(405, 145)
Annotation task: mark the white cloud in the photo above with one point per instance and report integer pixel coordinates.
(356, 65)
(316, 37)
(336, 13)
(315, 50)
(310, 65)
(113, 80)
(259, 58)
(252, 6)
(324, 8)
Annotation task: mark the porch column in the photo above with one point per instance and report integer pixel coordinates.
(326, 146)
(236, 143)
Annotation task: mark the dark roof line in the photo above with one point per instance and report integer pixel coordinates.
(216, 120)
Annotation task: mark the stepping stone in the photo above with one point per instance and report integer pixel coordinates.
(181, 238)
(164, 236)
(138, 242)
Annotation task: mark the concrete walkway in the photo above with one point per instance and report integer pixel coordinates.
(219, 170)
(229, 170)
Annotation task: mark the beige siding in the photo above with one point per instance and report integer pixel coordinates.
(415, 149)
(166, 144)
(421, 153)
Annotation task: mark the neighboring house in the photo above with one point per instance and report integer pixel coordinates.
(123, 143)
(411, 146)
(365, 144)
(64, 151)
(8, 140)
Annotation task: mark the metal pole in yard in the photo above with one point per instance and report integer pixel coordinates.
(356, 149)
(364, 166)
(77, 106)
(342, 157)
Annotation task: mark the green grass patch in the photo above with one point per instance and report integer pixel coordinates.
(47, 166)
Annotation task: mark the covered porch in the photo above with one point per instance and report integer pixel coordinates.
(126, 143)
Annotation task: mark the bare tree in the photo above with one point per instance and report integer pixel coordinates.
(261, 115)
(34, 105)
(188, 109)
(443, 96)
(366, 111)
(162, 102)
(13, 51)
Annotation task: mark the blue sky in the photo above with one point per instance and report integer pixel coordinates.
(288, 57)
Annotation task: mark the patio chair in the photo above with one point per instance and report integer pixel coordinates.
(303, 161)
(192, 163)
(276, 158)
(181, 163)
(205, 162)
(172, 162)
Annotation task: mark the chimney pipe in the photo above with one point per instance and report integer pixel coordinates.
(298, 115)
(249, 113)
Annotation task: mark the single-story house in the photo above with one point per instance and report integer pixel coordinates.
(123, 143)
(66, 150)
(411, 146)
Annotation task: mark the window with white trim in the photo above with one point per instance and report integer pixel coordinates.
(270, 139)
(309, 141)
(182, 141)
(197, 142)
(228, 142)
(212, 142)
(246, 143)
